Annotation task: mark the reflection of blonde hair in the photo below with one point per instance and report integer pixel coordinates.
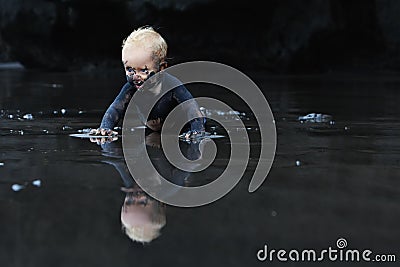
(147, 37)
(145, 233)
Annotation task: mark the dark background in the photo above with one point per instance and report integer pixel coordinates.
(279, 36)
(347, 184)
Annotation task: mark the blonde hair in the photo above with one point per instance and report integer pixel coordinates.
(145, 233)
(148, 38)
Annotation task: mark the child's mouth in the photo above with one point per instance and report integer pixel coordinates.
(138, 84)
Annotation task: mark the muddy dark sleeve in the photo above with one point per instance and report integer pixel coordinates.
(117, 109)
(181, 94)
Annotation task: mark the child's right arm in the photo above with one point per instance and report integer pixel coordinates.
(115, 111)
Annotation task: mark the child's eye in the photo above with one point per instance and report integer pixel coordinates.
(129, 69)
(145, 71)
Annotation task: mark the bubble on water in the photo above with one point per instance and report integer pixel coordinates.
(298, 163)
(1, 163)
(46, 131)
(274, 213)
(10, 116)
(346, 128)
(55, 112)
(37, 182)
(17, 187)
(28, 116)
(81, 112)
(63, 111)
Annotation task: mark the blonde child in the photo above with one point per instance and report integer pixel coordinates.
(144, 54)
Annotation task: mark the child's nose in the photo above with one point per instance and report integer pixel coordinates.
(136, 76)
(132, 74)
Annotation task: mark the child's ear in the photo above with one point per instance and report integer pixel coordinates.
(163, 65)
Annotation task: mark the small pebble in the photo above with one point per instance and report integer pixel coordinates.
(55, 85)
(274, 213)
(66, 127)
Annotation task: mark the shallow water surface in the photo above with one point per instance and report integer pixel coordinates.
(61, 197)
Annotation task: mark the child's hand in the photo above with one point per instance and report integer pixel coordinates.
(104, 132)
(109, 136)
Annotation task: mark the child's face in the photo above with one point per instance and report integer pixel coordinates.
(138, 63)
(137, 210)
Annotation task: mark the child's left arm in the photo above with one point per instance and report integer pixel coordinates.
(181, 94)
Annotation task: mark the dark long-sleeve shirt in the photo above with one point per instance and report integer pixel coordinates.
(160, 110)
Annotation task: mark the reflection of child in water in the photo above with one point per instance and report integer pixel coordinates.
(143, 54)
(141, 216)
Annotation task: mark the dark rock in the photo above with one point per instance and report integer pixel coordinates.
(274, 35)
